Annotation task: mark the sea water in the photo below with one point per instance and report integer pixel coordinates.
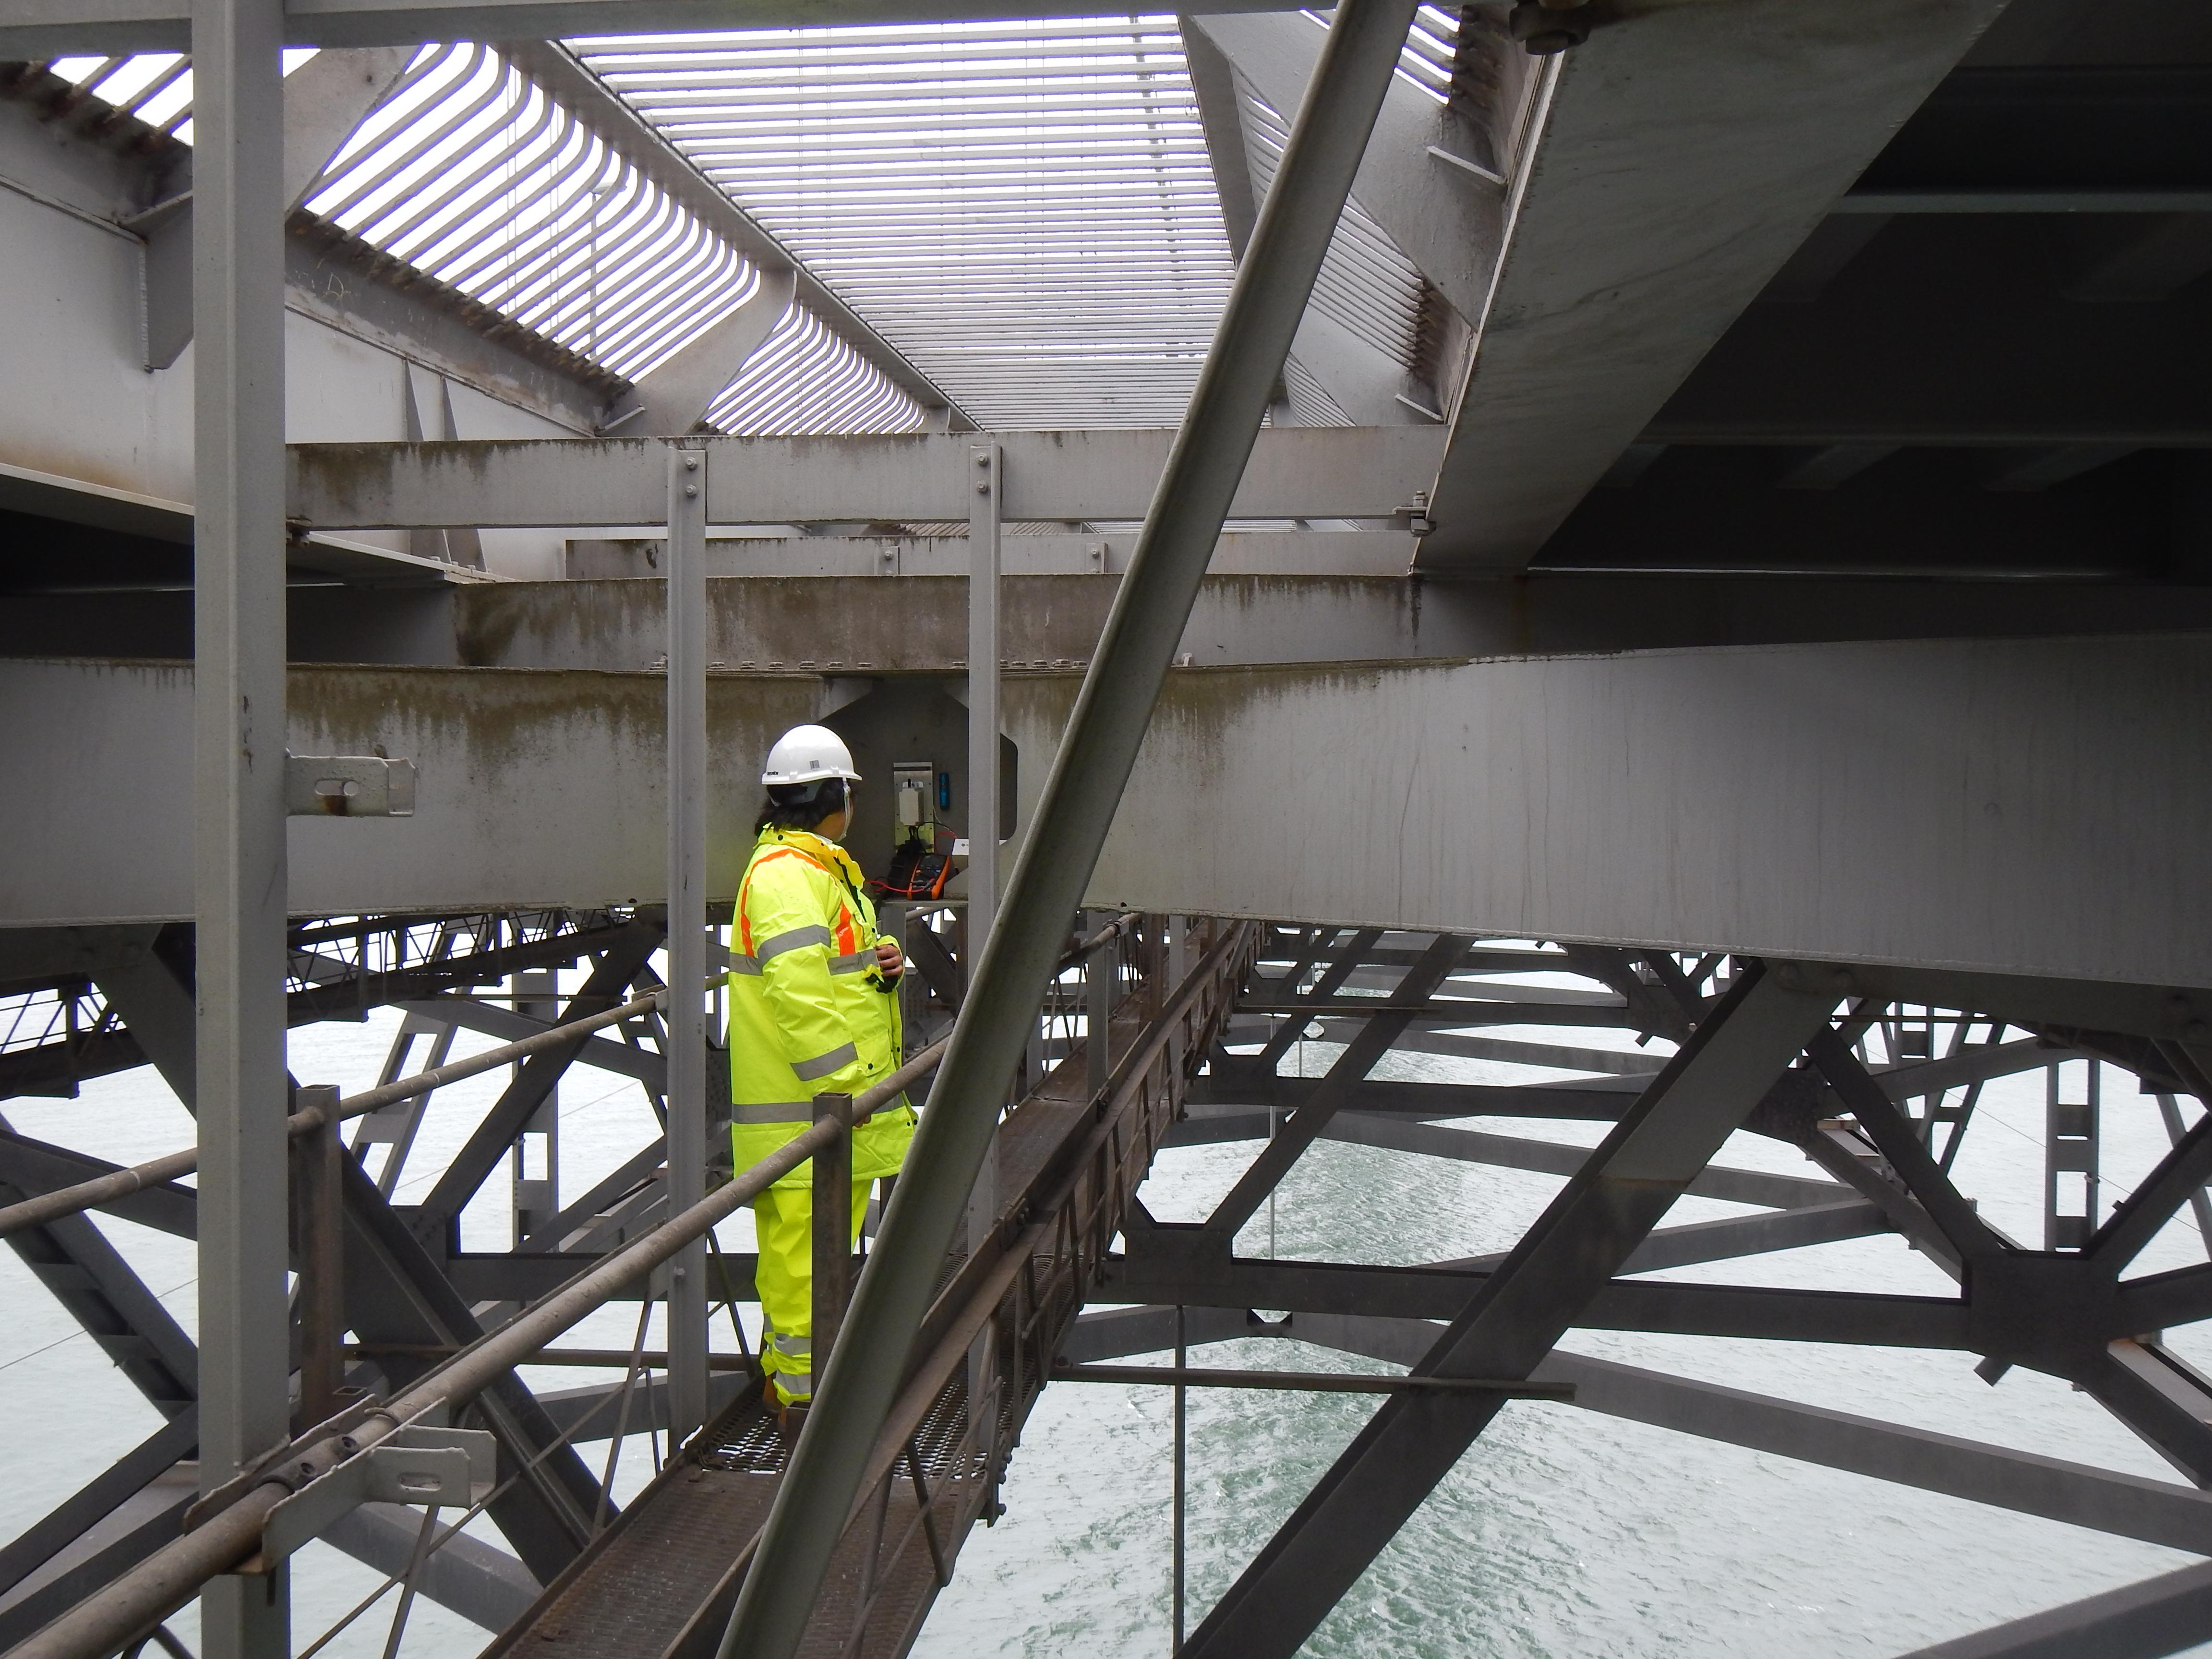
(1561, 1533)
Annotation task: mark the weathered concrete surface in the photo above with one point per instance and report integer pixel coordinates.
(2032, 806)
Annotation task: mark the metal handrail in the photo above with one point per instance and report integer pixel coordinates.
(169, 1577)
(121, 1184)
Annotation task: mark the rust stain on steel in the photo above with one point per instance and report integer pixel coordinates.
(356, 477)
(505, 718)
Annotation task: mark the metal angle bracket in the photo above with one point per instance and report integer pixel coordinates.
(415, 1464)
(348, 787)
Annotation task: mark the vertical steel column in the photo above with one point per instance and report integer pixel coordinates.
(1099, 971)
(832, 1170)
(984, 498)
(983, 658)
(238, 715)
(536, 1199)
(318, 1209)
(2069, 1148)
(1177, 1498)
(1143, 631)
(687, 929)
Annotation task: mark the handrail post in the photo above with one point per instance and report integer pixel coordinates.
(1099, 970)
(319, 1228)
(833, 1225)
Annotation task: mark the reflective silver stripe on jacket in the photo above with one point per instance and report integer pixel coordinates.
(792, 1345)
(794, 938)
(858, 963)
(773, 1111)
(822, 1065)
(745, 964)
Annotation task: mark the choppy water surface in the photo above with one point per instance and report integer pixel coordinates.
(1562, 1534)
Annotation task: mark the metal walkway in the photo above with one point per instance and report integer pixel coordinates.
(659, 1582)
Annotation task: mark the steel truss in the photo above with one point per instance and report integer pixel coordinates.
(1875, 1073)
(91, 1002)
(1113, 1048)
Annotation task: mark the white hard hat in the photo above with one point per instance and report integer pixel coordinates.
(806, 754)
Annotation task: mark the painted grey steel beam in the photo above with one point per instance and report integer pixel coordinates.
(1549, 1158)
(535, 1078)
(1441, 1291)
(986, 489)
(509, 1026)
(1295, 473)
(325, 99)
(1213, 84)
(2142, 1620)
(1270, 597)
(2153, 1391)
(554, 68)
(33, 1167)
(543, 790)
(101, 1290)
(2128, 1505)
(99, 1498)
(395, 1294)
(1037, 552)
(1685, 153)
(1365, 382)
(1583, 1236)
(238, 793)
(685, 1029)
(482, 1582)
(673, 399)
(1349, 1070)
(1362, 381)
(1449, 221)
(37, 29)
(1196, 493)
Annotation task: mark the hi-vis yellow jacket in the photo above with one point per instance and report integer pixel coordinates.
(809, 1011)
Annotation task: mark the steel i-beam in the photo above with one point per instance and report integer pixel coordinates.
(239, 785)
(686, 1020)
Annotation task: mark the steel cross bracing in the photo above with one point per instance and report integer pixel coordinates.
(1878, 1093)
(1100, 1095)
(405, 1302)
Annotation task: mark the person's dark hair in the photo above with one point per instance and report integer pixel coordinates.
(801, 805)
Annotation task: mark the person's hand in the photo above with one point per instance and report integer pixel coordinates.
(890, 962)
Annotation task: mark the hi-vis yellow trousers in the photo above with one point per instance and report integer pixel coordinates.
(783, 1216)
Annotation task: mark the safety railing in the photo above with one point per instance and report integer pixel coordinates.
(1087, 1135)
(228, 1528)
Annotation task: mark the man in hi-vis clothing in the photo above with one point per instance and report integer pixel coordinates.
(813, 1010)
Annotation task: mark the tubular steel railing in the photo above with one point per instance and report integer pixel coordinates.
(1071, 1155)
(231, 1534)
(1081, 1153)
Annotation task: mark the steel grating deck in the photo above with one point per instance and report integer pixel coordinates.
(659, 1582)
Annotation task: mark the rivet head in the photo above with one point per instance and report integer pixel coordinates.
(690, 489)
